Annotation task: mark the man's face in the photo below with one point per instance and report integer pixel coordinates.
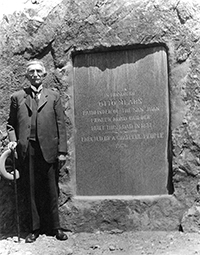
(35, 74)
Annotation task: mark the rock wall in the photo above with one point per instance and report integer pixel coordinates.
(54, 34)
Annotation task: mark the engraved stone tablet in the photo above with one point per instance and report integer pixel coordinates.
(121, 122)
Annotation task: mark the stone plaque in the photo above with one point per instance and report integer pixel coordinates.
(121, 122)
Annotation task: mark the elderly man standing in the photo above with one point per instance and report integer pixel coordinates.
(36, 128)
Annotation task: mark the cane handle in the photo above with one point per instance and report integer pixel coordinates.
(3, 171)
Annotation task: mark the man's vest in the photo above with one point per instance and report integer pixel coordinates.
(33, 134)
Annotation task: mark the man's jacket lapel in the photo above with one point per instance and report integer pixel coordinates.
(27, 97)
(43, 99)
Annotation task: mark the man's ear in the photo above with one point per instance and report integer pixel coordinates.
(27, 75)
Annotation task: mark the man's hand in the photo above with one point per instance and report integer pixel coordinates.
(61, 160)
(62, 157)
(12, 145)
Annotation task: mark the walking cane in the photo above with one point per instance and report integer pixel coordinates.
(13, 152)
(11, 176)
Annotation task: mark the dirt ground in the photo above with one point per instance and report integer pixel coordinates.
(107, 243)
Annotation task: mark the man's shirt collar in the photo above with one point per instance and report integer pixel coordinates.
(37, 90)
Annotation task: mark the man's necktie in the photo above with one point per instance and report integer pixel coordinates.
(36, 97)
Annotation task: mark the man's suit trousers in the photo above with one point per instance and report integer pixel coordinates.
(43, 189)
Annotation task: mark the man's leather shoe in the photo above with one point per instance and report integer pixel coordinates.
(60, 235)
(32, 236)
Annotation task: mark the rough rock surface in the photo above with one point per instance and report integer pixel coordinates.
(54, 34)
(191, 219)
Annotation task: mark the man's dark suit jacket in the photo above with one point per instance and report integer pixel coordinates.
(51, 130)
